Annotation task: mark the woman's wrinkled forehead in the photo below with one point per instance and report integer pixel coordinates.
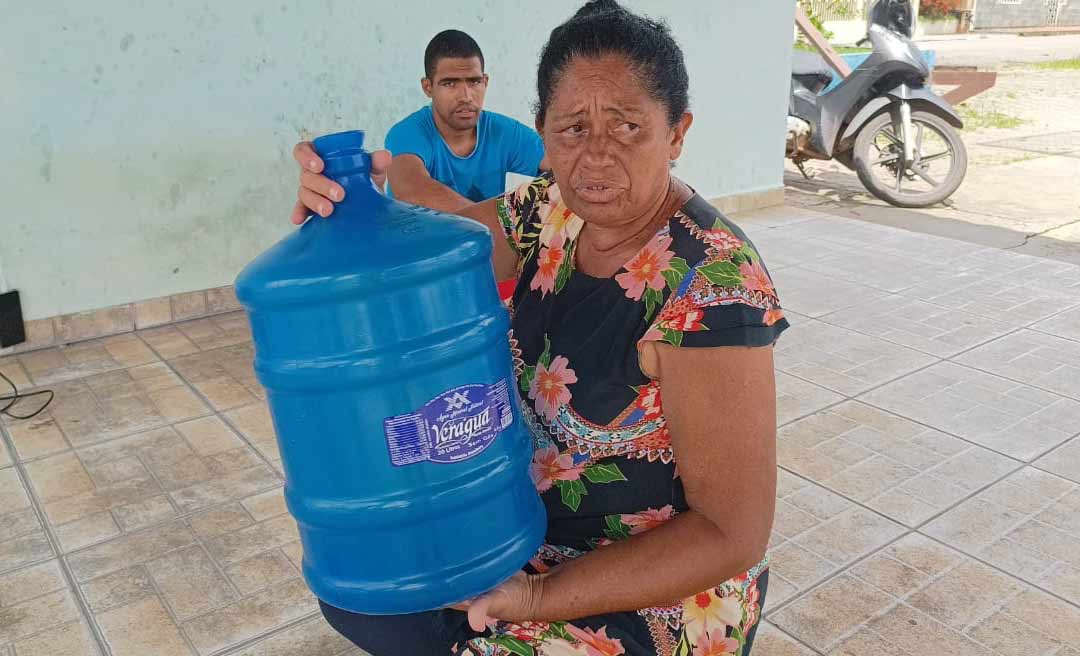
(609, 83)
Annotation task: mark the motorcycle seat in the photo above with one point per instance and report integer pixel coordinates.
(810, 67)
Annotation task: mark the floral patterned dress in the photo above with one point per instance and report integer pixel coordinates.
(603, 458)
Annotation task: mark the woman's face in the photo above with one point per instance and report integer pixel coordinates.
(608, 142)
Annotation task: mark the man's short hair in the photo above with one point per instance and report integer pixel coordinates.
(453, 44)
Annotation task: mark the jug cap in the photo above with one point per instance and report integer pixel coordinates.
(343, 152)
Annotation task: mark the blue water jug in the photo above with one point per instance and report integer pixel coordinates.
(383, 347)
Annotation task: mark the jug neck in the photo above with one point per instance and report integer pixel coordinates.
(348, 164)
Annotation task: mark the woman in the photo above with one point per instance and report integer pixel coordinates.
(645, 323)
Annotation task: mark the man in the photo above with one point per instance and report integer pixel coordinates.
(453, 153)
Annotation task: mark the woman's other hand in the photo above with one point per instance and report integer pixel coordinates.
(517, 600)
(317, 192)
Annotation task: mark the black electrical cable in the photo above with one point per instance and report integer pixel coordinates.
(16, 397)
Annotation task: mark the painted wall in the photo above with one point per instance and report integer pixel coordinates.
(147, 146)
(990, 14)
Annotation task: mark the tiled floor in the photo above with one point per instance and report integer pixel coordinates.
(929, 485)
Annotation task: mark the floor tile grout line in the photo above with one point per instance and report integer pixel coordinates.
(81, 602)
(163, 600)
(222, 416)
(182, 517)
(789, 635)
(1011, 331)
(244, 644)
(1068, 397)
(907, 530)
(842, 569)
(994, 567)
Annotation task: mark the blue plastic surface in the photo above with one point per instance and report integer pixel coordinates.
(372, 314)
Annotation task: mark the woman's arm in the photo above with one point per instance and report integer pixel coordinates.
(720, 406)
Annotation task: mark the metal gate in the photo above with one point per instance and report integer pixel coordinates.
(1052, 11)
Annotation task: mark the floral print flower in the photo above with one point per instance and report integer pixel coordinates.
(648, 400)
(707, 611)
(707, 645)
(680, 315)
(647, 268)
(722, 240)
(647, 520)
(755, 278)
(597, 643)
(772, 316)
(558, 221)
(549, 386)
(549, 465)
(548, 262)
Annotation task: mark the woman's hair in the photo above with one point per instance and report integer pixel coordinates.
(604, 27)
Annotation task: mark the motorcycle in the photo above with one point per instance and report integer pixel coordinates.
(883, 121)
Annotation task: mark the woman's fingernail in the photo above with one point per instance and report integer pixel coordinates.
(333, 194)
(324, 209)
(313, 165)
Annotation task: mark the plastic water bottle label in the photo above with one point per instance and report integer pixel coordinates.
(454, 426)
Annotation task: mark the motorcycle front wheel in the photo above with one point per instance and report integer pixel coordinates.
(937, 170)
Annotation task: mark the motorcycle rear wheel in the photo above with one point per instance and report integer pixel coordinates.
(879, 160)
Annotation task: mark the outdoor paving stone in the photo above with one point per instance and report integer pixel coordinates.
(223, 519)
(902, 469)
(142, 628)
(250, 617)
(168, 342)
(252, 540)
(64, 363)
(871, 268)
(827, 613)
(87, 531)
(1066, 324)
(28, 582)
(965, 594)
(1024, 525)
(266, 504)
(314, 637)
(74, 639)
(1035, 358)
(132, 549)
(189, 582)
(934, 329)
(1011, 637)
(902, 624)
(216, 332)
(1011, 418)
(36, 437)
(772, 641)
(120, 588)
(994, 285)
(842, 360)
(1063, 461)
(797, 398)
(26, 618)
(814, 294)
(261, 571)
(255, 424)
(224, 376)
(817, 533)
(22, 538)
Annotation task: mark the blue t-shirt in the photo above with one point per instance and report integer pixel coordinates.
(503, 146)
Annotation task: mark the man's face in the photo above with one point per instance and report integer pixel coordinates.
(457, 91)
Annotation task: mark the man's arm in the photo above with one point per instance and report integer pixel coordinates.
(412, 183)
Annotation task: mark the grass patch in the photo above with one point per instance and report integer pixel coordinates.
(1060, 65)
(843, 50)
(975, 118)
